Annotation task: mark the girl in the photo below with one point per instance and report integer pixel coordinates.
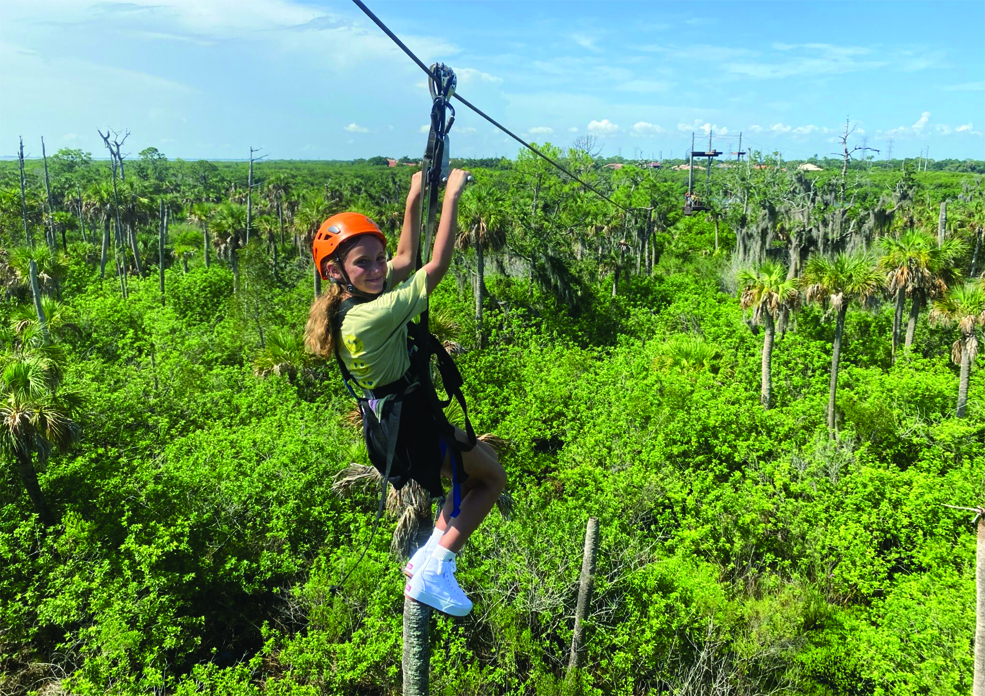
(362, 320)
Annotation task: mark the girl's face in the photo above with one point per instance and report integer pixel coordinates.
(366, 265)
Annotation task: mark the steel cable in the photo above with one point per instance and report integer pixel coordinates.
(422, 66)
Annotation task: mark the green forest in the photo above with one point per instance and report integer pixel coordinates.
(767, 404)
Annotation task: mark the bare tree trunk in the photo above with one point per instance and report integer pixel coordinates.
(280, 218)
(835, 359)
(30, 479)
(965, 375)
(585, 587)
(160, 246)
(28, 237)
(941, 223)
(50, 227)
(911, 325)
(82, 219)
(767, 386)
(205, 241)
(978, 685)
(102, 256)
(974, 257)
(249, 200)
(417, 620)
(898, 320)
(36, 293)
(480, 289)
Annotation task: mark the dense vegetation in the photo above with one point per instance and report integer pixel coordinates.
(771, 517)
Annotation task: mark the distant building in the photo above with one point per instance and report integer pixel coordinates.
(613, 165)
(391, 162)
(808, 167)
(653, 165)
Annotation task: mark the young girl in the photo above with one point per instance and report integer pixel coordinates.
(362, 319)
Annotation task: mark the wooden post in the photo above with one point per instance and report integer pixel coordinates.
(28, 237)
(417, 622)
(36, 292)
(941, 223)
(317, 282)
(690, 167)
(584, 597)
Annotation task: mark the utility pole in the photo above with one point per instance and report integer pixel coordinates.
(690, 169)
(889, 153)
(249, 192)
(738, 155)
(708, 171)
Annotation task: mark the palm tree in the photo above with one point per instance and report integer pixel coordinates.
(964, 305)
(52, 268)
(768, 291)
(203, 212)
(839, 281)
(35, 418)
(905, 261)
(482, 227)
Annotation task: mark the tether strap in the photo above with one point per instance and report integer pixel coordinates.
(393, 422)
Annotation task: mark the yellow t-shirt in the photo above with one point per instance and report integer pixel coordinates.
(374, 333)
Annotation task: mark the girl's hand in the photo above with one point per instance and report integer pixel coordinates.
(415, 186)
(456, 182)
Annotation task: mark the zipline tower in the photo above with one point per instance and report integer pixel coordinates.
(691, 203)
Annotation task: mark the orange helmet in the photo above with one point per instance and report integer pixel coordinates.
(336, 230)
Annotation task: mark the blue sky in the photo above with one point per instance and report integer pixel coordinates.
(316, 80)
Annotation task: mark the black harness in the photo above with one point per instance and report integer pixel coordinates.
(421, 345)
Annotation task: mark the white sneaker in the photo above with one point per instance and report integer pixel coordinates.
(419, 558)
(434, 584)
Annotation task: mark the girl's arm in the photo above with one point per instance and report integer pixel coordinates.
(403, 261)
(444, 241)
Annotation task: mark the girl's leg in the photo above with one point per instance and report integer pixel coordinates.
(486, 480)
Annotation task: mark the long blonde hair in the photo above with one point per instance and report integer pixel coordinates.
(319, 332)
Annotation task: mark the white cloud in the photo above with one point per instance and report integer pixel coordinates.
(942, 129)
(471, 75)
(426, 128)
(466, 130)
(756, 128)
(698, 125)
(644, 128)
(924, 117)
(804, 130)
(968, 128)
(966, 87)
(573, 129)
(807, 59)
(353, 128)
(780, 129)
(585, 41)
(603, 127)
(541, 130)
(644, 86)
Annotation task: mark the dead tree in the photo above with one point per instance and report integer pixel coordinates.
(50, 227)
(116, 158)
(847, 155)
(585, 587)
(28, 237)
(978, 683)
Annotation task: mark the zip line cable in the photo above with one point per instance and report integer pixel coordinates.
(410, 54)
